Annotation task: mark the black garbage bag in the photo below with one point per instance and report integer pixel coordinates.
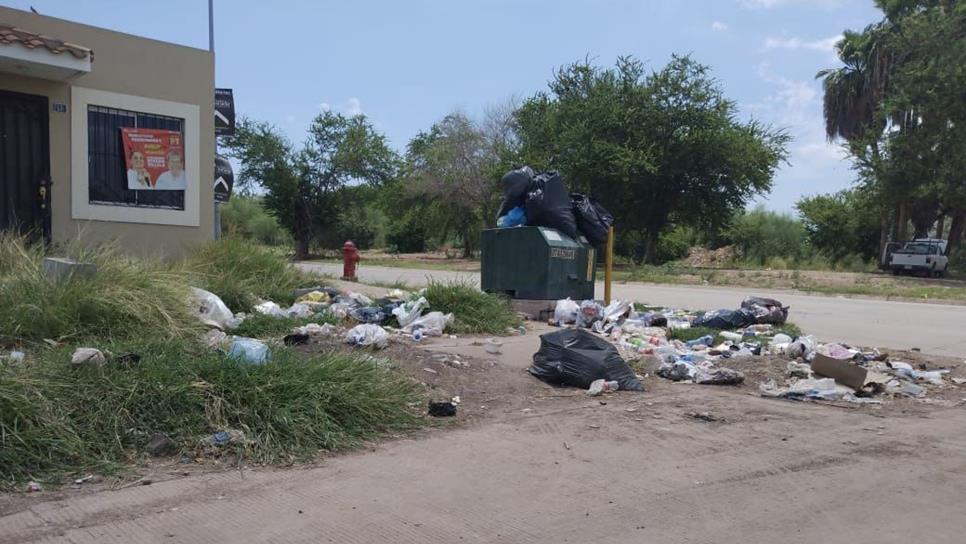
(368, 314)
(576, 357)
(516, 184)
(593, 221)
(766, 310)
(548, 205)
(726, 319)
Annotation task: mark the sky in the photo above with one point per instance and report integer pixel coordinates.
(406, 64)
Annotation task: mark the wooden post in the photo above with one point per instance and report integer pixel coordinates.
(608, 265)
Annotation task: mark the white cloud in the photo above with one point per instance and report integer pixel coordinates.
(814, 164)
(825, 45)
(718, 26)
(353, 107)
(768, 4)
(324, 107)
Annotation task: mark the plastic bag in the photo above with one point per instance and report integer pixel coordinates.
(726, 319)
(590, 313)
(269, 308)
(211, 310)
(367, 335)
(340, 310)
(516, 184)
(410, 311)
(616, 310)
(565, 312)
(317, 297)
(548, 205)
(578, 358)
(514, 218)
(249, 350)
(431, 324)
(766, 310)
(593, 221)
(368, 314)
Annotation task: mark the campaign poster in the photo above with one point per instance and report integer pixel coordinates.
(154, 159)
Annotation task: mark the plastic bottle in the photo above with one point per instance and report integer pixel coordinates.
(705, 340)
(417, 335)
(733, 336)
(599, 387)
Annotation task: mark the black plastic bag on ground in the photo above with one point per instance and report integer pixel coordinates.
(576, 357)
(593, 221)
(766, 310)
(726, 319)
(548, 205)
(516, 184)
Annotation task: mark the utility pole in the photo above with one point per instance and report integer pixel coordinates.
(211, 47)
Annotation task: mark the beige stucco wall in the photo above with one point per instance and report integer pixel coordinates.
(133, 66)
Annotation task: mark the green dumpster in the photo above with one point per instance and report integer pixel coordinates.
(536, 263)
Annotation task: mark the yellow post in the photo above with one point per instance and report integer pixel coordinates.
(608, 265)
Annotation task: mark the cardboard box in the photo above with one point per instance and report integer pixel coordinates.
(842, 371)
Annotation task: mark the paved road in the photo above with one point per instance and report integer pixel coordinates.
(936, 329)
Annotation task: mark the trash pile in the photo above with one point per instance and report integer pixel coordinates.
(542, 200)
(374, 318)
(814, 371)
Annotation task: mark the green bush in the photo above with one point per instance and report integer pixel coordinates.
(127, 297)
(407, 235)
(56, 418)
(474, 311)
(761, 235)
(241, 272)
(245, 217)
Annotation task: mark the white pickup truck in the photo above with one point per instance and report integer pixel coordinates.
(923, 255)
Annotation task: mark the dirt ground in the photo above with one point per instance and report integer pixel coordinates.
(527, 462)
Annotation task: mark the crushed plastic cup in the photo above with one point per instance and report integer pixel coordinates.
(493, 346)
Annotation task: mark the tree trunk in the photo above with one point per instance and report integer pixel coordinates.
(955, 233)
(302, 247)
(940, 226)
(903, 220)
(883, 232)
(651, 238)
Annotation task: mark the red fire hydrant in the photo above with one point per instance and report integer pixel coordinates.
(350, 256)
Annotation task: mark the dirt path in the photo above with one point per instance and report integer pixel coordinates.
(532, 463)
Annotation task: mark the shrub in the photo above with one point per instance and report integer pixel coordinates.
(245, 217)
(474, 311)
(761, 234)
(241, 272)
(57, 418)
(127, 297)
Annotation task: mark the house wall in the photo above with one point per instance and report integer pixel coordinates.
(154, 77)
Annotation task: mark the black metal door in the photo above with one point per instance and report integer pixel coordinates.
(24, 164)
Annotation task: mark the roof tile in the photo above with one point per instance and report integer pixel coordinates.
(32, 40)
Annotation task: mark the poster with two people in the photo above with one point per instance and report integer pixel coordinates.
(155, 159)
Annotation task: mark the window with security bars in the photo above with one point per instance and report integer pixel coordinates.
(107, 170)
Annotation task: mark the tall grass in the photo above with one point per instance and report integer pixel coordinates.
(474, 310)
(56, 418)
(241, 272)
(126, 297)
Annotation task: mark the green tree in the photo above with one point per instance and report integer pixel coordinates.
(457, 164)
(841, 224)
(304, 189)
(658, 149)
(897, 103)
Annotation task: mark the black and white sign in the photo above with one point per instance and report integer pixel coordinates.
(224, 112)
(224, 179)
